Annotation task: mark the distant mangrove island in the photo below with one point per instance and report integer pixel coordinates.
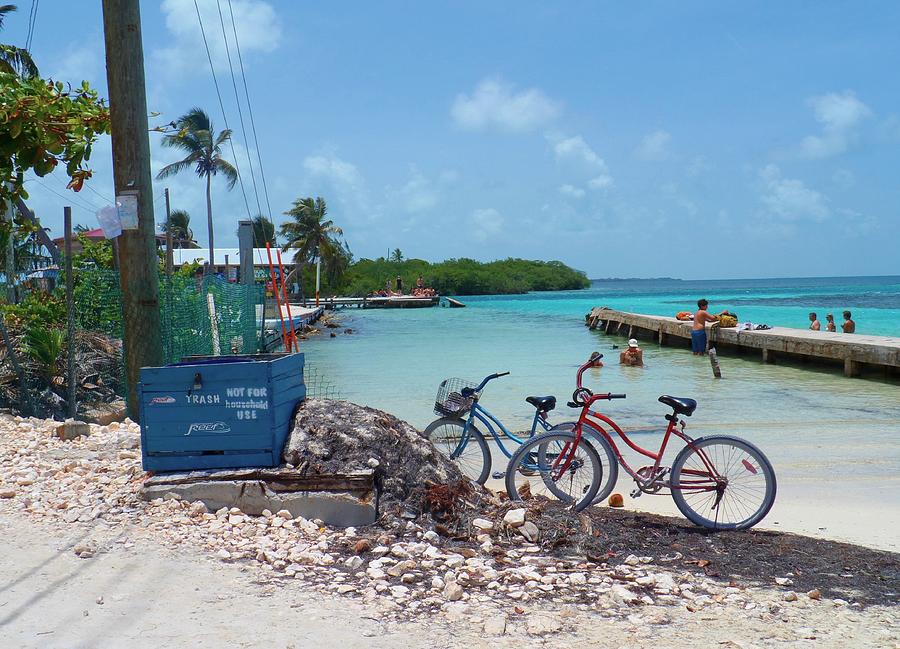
(460, 276)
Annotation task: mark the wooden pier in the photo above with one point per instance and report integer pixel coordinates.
(393, 302)
(856, 352)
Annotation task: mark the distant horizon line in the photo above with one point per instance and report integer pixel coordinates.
(732, 279)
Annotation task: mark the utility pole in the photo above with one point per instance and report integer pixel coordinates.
(138, 275)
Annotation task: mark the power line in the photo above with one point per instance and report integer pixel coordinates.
(237, 101)
(32, 18)
(105, 198)
(86, 205)
(222, 106)
(262, 174)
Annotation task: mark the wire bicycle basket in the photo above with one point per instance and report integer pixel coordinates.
(449, 401)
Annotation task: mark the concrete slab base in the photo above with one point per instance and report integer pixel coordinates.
(253, 496)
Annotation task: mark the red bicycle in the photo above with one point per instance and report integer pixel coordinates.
(719, 481)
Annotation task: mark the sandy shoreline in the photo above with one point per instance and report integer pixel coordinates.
(86, 563)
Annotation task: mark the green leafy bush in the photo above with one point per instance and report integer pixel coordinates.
(45, 346)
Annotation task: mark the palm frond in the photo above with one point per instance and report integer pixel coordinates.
(175, 168)
(225, 168)
(18, 61)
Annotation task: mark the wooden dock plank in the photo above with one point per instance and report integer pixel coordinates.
(853, 349)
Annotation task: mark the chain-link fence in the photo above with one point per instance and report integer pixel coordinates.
(199, 316)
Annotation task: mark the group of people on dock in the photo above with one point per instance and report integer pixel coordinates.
(420, 289)
(848, 326)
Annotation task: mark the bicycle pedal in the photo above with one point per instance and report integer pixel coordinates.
(498, 475)
(636, 493)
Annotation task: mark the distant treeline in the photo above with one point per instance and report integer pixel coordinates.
(460, 276)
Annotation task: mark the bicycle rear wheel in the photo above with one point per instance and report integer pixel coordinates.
(555, 465)
(470, 452)
(723, 483)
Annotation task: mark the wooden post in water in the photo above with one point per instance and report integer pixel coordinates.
(714, 361)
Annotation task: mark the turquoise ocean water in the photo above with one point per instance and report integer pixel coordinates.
(833, 440)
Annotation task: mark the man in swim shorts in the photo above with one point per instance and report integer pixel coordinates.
(698, 329)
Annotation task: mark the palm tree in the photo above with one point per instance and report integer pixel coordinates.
(314, 237)
(263, 231)
(195, 136)
(179, 224)
(15, 60)
(396, 256)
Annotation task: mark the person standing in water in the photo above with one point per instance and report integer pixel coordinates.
(814, 324)
(698, 329)
(829, 322)
(848, 327)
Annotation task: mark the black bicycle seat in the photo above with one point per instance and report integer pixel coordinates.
(681, 405)
(544, 404)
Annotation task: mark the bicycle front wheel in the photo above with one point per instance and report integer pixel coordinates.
(723, 483)
(555, 465)
(467, 449)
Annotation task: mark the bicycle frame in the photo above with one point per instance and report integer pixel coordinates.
(483, 415)
(596, 420)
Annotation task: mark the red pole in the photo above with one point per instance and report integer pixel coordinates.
(287, 304)
(284, 338)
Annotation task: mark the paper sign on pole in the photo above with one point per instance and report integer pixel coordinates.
(108, 217)
(127, 206)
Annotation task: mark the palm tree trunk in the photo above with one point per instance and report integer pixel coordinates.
(209, 224)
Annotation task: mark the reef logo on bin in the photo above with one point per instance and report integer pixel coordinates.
(209, 427)
(158, 400)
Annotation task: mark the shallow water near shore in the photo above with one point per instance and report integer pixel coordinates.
(833, 441)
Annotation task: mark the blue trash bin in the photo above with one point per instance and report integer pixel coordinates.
(219, 412)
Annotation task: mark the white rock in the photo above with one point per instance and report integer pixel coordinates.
(622, 595)
(540, 624)
(577, 579)
(354, 562)
(514, 517)
(530, 531)
(453, 591)
(431, 536)
(483, 524)
(632, 560)
(784, 581)
(495, 625)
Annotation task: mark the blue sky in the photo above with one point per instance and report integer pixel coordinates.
(695, 140)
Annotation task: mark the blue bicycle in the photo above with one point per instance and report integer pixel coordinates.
(457, 436)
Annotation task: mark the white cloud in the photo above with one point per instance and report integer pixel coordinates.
(654, 146)
(486, 223)
(603, 181)
(571, 191)
(576, 150)
(341, 173)
(258, 28)
(82, 61)
(418, 194)
(839, 115)
(857, 224)
(790, 199)
(497, 104)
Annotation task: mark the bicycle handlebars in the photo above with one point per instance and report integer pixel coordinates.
(467, 392)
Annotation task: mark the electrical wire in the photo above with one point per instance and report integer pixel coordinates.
(237, 101)
(222, 106)
(262, 174)
(31, 15)
(85, 205)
